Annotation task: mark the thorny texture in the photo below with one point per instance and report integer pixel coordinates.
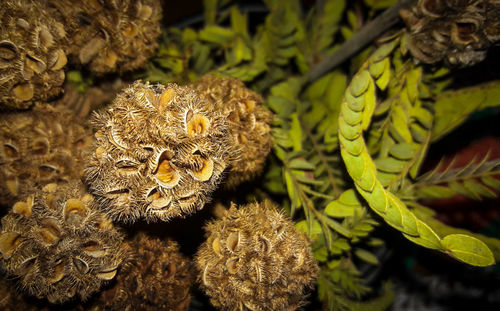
(158, 277)
(38, 147)
(58, 245)
(111, 35)
(160, 152)
(248, 124)
(255, 259)
(457, 31)
(32, 53)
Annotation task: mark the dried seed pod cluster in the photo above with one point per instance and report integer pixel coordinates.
(457, 31)
(160, 153)
(158, 277)
(38, 147)
(110, 35)
(58, 245)
(32, 53)
(255, 259)
(248, 123)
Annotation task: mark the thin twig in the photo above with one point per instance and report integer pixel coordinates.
(366, 35)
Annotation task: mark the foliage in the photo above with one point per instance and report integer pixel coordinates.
(349, 146)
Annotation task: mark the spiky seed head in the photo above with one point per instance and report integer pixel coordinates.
(157, 277)
(111, 35)
(38, 147)
(255, 259)
(32, 55)
(248, 124)
(160, 152)
(58, 245)
(458, 32)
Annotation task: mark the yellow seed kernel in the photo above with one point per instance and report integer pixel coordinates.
(74, 209)
(216, 245)
(110, 59)
(249, 105)
(107, 275)
(167, 175)
(233, 240)
(23, 92)
(198, 125)
(232, 265)
(23, 208)
(9, 241)
(58, 273)
(50, 231)
(205, 172)
(165, 99)
(94, 249)
(52, 187)
(13, 186)
(62, 60)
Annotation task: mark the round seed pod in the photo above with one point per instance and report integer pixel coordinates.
(157, 277)
(38, 147)
(458, 32)
(255, 259)
(160, 152)
(32, 55)
(109, 35)
(248, 124)
(58, 245)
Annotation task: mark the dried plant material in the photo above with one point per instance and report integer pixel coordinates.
(248, 124)
(92, 98)
(38, 147)
(160, 152)
(457, 31)
(255, 259)
(32, 55)
(110, 36)
(55, 255)
(157, 277)
(14, 300)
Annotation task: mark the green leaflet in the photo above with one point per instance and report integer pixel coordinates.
(454, 106)
(344, 206)
(366, 256)
(468, 249)
(441, 229)
(474, 180)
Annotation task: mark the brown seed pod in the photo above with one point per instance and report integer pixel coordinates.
(58, 245)
(456, 31)
(158, 277)
(38, 147)
(110, 35)
(160, 152)
(32, 55)
(248, 124)
(255, 259)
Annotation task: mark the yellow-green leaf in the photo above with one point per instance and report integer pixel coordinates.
(468, 249)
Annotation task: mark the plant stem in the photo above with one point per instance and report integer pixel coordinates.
(367, 34)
